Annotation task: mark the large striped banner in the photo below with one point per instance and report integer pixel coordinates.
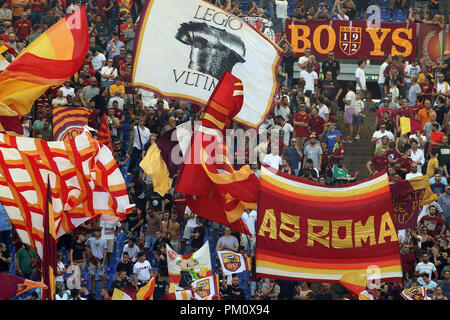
(308, 231)
(68, 122)
(85, 183)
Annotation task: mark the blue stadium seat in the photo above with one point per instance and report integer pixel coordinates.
(384, 3)
(385, 13)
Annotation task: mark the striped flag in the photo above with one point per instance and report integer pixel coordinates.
(343, 234)
(104, 135)
(213, 188)
(85, 183)
(56, 55)
(68, 122)
(146, 292)
(49, 264)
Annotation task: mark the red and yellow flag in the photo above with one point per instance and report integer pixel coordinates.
(213, 188)
(308, 231)
(68, 122)
(56, 55)
(49, 266)
(104, 135)
(146, 292)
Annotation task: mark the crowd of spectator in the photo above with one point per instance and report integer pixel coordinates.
(315, 115)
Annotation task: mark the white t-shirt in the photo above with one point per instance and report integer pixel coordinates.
(145, 136)
(394, 92)
(287, 129)
(418, 156)
(97, 246)
(309, 78)
(108, 229)
(352, 97)
(410, 70)
(108, 71)
(281, 8)
(323, 111)
(282, 111)
(60, 266)
(142, 270)
(413, 175)
(381, 78)
(359, 73)
(425, 267)
(273, 160)
(379, 134)
(442, 87)
(250, 220)
(412, 96)
(97, 61)
(119, 100)
(359, 107)
(67, 91)
(146, 97)
(154, 101)
(191, 222)
(132, 252)
(303, 60)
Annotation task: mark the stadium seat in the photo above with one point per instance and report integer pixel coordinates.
(384, 3)
(385, 13)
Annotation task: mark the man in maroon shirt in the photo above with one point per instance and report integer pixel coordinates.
(408, 260)
(405, 163)
(316, 122)
(404, 111)
(22, 27)
(384, 107)
(379, 162)
(433, 222)
(301, 123)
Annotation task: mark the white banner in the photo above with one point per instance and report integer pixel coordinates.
(206, 288)
(185, 269)
(232, 262)
(183, 47)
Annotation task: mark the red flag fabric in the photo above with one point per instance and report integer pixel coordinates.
(49, 266)
(213, 188)
(104, 135)
(12, 286)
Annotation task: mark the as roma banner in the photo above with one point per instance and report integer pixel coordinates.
(430, 38)
(182, 55)
(352, 39)
(232, 262)
(308, 231)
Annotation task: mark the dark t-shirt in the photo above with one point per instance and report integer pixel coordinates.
(232, 293)
(329, 88)
(78, 250)
(333, 66)
(159, 289)
(320, 296)
(128, 267)
(438, 187)
(4, 267)
(440, 113)
(197, 243)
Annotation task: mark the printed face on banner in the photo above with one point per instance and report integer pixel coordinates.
(182, 55)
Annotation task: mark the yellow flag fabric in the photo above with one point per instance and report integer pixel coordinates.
(120, 295)
(422, 182)
(154, 165)
(409, 125)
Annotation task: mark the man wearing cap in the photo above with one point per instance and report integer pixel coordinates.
(384, 107)
(330, 136)
(310, 77)
(313, 151)
(378, 135)
(308, 171)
